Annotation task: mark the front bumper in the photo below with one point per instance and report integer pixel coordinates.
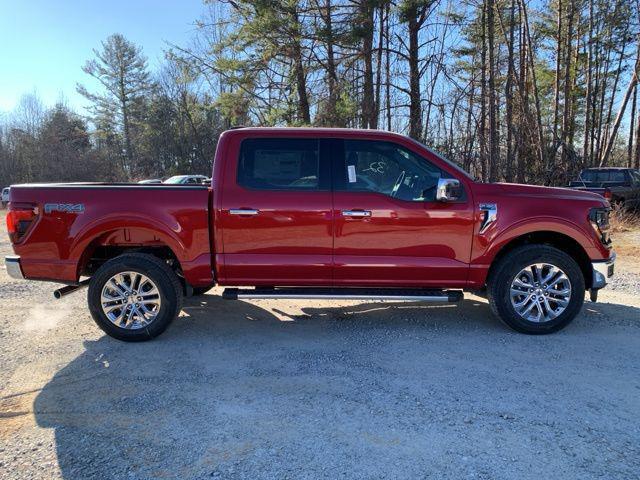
(12, 262)
(602, 271)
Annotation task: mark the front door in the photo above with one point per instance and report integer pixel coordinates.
(389, 230)
(276, 213)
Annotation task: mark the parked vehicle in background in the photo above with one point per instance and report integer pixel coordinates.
(5, 196)
(187, 180)
(151, 180)
(319, 214)
(618, 185)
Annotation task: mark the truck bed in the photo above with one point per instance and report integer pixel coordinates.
(75, 220)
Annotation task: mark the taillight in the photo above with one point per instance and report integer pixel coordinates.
(607, 194)
(19, 219)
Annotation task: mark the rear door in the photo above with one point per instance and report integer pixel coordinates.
(276, 213)
(390, 231)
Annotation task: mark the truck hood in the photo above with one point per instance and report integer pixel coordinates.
(535, 191)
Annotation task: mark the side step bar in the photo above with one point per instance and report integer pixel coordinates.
(313, 293)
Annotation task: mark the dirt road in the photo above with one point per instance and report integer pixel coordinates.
(320, 390)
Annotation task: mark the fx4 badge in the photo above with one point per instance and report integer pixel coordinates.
(64, 207)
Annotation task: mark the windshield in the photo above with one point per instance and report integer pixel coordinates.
(602, 176)
(175, 179)
(453, 165)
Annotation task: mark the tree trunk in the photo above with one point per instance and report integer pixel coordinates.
(632, 119)
(493, 128)
(368, 113)
(415, 111)
(524, 106)
(556, 90)
(566, 114)
(304, 114)
(632, 85)
(534, 83)
(587, 119)
(483, 96)
(509, 92)
(387, 67)
(378, 82)
(332, 79)
(124, 106)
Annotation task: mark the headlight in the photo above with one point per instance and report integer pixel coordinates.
(599, 219)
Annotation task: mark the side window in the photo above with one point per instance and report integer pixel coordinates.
(279, 164)
(617, 176)
(390, 169)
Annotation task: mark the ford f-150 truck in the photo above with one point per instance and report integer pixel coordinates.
(314, 213)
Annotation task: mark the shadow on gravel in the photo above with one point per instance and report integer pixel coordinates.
(232, 390)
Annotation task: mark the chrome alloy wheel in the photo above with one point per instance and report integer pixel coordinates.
(130, 300)
(540, 292)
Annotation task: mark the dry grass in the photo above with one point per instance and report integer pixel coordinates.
(623, 219)
(625, 230)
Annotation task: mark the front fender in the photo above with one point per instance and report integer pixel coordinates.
(487, 247)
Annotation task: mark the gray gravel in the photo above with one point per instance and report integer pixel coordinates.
(318, 390)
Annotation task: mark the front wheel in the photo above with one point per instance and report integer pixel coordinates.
(134, 297)
(536, 289)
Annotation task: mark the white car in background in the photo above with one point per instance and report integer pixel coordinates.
(188, 180)
(5, 196)
(150, 181)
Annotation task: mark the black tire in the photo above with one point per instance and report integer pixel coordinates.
(504, 272)
(167, 282)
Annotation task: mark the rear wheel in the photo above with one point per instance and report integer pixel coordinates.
(536, 289)
(134, 297)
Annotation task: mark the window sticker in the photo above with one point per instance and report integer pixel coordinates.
(351, 172)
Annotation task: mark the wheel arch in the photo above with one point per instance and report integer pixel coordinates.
(102, 244)
(558, 240)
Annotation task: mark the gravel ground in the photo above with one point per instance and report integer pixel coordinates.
(319, 390)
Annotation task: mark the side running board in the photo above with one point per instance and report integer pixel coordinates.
(313, 293)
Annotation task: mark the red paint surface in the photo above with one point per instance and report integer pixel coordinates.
(299, 238)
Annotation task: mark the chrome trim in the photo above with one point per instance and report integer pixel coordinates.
(600, 271)
(490, 215)
(318, 296)
(12, 262)
(243, 211)
(356, 213)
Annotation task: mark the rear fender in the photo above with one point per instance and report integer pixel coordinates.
(141, 231)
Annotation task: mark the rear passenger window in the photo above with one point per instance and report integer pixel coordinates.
(279, 164)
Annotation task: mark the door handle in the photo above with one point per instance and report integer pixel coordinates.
(243, 211)
(356, 213)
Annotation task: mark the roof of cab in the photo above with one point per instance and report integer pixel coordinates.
(317, 131)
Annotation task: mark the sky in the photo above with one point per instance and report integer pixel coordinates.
(43, 44)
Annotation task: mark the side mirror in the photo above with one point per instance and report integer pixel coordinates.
(449, 190)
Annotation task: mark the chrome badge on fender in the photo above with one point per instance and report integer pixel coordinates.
(64, 207)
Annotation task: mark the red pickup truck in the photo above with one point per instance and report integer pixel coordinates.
(314, 213)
